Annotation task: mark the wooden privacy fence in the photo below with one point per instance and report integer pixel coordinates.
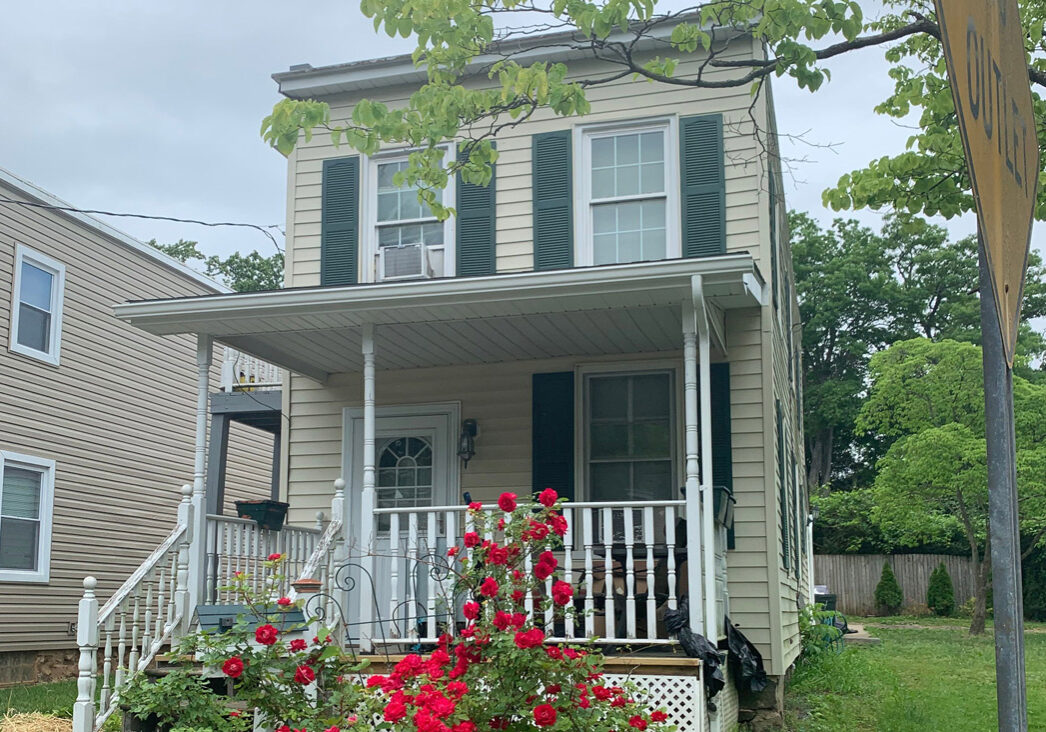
(852, 578)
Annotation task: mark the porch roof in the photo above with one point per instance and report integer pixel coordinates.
(316, 331)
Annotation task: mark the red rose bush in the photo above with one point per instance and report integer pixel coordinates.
(492, 669)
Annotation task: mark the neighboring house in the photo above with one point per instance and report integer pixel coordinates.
(96, 424)
(614, 317)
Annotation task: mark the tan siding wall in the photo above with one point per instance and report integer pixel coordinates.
(117, 416)
(622, 100)
(499, 398)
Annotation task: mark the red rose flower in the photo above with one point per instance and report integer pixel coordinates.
(452, 552)
(557, 523)
(497, 555)
(471, 539)
(266, 634)
(475, 506)
(275, 556)
(304, 675)
(502, 620)
(562, 593)
(284, 601)
(471, 610)
(530, 638)
(489, 588)
(332, 729)
(283, 728)
(517, 596)
(637, 722)
(507, 502)
(543, 571)
(602, 693)
(658, 716)
(233, 667)
(544, 715)
(395, 711)
(548, 498)
(298, 644)
(584, 702)
(466, 726)
(538, 531)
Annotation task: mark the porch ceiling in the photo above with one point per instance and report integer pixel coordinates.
(591, 311)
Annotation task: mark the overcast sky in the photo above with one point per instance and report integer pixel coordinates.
(155, 108)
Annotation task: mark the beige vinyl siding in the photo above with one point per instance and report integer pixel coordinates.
(498, 396)
(623, 100)
(117, 416)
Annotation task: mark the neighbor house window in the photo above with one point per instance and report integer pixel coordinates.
(26, 497)
(405, 239)
(629, 211)
(629, 443)
(36, 307)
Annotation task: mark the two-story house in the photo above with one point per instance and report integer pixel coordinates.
(613, 317)
(96, 424)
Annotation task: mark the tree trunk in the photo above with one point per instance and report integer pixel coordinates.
(819, 471)
(980, 571)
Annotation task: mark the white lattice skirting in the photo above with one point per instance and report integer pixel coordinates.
(682, 697)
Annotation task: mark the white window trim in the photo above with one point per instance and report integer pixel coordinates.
(369, 214)
(626, 368)
(42, 573)
(56, 268)
(582, 137)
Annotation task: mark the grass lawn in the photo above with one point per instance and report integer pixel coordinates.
(56, 699)
(933, 678)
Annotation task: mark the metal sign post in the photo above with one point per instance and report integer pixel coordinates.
(984, 49)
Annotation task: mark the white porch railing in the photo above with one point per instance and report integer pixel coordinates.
(148, 611)
(627, 565)
(240, 545)
(243, 372)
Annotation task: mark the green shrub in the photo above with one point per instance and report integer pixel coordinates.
(817, 634)
(940, 595)
(888, 595)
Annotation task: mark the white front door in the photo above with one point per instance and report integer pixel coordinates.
(415, 467)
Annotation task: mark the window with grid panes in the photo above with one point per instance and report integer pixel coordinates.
(629, 443)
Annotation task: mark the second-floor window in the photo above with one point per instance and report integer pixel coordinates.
(629, 207)
(36, 312)
(405, 240)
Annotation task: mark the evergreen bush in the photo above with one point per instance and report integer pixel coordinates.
(940, 594)
(888, 595)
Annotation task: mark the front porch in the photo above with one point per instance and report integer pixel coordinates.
(613, 367)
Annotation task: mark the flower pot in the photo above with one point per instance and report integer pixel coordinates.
(267, 513)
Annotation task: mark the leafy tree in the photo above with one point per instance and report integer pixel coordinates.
(242, 272)
(799, 37)
(860, 291)
(932, 483)
(888, 594)
(940, 594)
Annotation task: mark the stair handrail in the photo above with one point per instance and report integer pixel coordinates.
(172, 615)
(327, 541)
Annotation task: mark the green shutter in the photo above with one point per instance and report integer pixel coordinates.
(703, 185)
(476, 227)
(553, 200)
(340, 222)
(552, 432)
(782, 486)
(722, 449)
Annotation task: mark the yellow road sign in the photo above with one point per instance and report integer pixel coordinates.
(984, 49)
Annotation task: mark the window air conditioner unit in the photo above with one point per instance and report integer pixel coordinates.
(410, 262)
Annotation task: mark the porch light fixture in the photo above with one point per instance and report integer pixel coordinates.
(467, 441)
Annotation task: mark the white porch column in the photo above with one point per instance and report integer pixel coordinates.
(693, 492)
(367, 500)
(704, 356)
(198, 526)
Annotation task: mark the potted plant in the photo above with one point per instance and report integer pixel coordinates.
(267, 513)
